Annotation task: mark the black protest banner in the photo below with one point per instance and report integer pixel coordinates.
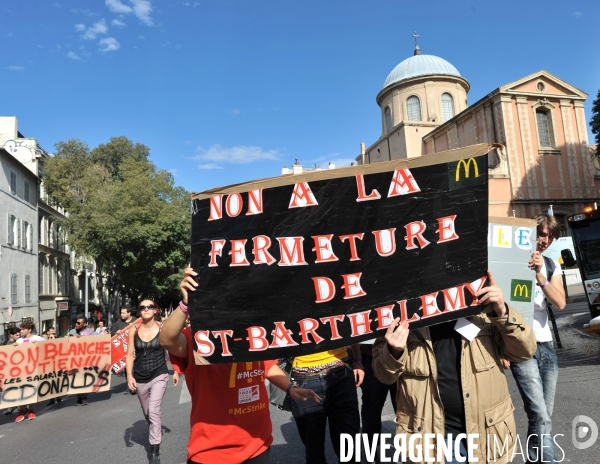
(312, 262)
(33, 372)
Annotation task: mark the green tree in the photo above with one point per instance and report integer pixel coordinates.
(595, 121)
(125, 214)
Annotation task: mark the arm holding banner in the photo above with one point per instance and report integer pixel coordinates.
(553, 289)
(390, 354)
(171, 337)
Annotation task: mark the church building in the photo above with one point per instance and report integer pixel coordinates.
(539, 119)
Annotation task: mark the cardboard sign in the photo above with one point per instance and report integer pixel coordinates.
(119, 348)
(511, 242)
(33, 372)
(307, 263)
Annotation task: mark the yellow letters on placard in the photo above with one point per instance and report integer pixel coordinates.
(500, 237)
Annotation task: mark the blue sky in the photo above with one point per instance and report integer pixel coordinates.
(227, 91)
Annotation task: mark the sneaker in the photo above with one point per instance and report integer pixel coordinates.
(58, 399)
(78, 402)
(51, 402)
(9, 411)
(31, 415)
(84, 402)
(21, 416)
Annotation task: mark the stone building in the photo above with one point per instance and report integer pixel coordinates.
(18, 244)
(60, 277)
(539, 119)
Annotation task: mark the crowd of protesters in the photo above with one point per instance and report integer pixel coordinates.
(439, 381)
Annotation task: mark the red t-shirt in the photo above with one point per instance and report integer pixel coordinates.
(230, 421)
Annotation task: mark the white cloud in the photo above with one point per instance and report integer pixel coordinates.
(109, 44)
(577, 15)
(56, 5)
(142, 10)
(233, 155)
(74, 56)
(209, 166)
(334, 158)
(117, 22)
(235, 112)
(95, 30)
(117, 7)
(16, 68)
(79, 27)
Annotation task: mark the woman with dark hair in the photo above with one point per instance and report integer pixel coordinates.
(147, 373)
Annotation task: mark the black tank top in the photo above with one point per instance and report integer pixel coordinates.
(149, 359)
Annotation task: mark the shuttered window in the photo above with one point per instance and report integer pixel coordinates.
(447, 106)
(413, 108)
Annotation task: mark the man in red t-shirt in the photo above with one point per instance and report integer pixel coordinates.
(230, 421)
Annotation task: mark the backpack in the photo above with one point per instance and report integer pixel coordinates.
(550, 267)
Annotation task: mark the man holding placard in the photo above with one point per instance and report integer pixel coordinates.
(450, 380)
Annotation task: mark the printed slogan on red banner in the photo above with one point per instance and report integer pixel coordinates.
(311, 262)
(119, 348)
(33, 372)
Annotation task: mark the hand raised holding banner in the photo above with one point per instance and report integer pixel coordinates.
(396, 336)
(188, 284)
(492, 295)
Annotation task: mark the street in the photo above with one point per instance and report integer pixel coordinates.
(112, 429)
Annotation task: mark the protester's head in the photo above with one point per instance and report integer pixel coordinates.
(51, 332)
(27, 328)
(92, 326)
(81, 323)
(125, 313)
(101, 324)
(548, 230)
(147, 309)
(13, 333)
(45, 335)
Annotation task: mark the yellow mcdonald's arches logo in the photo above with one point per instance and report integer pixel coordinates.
(467, 165)
(521, 289)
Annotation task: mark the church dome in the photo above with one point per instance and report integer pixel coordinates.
(420, 65)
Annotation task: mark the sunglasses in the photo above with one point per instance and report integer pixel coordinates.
(144, 307)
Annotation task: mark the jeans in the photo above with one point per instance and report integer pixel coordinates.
(536, 379)
(150, 395)
(374, 394)
(339, 404)
(462, 451)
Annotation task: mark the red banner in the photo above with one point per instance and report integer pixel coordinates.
(119, 348)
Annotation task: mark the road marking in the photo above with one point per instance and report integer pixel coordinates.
(185, 396)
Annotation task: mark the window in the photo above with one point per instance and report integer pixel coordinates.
(27, 289)
(13, 182)
(26, 191)
(10, 232)
(29, 242)
(13, 288)
(413, 108)
(51, 279)
(40, 229)
(543, 126)
(388, 119)
(41, 277)
(447, 106)
(19, 233)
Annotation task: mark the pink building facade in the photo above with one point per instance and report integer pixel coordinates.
(539, 119)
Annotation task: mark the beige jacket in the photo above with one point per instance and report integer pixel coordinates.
(488, 405)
